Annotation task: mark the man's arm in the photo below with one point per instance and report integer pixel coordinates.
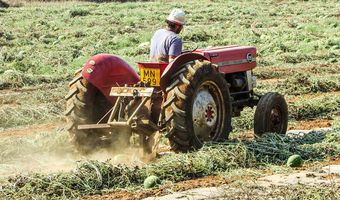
(175, 49)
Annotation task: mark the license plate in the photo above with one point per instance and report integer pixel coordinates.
(150, 75)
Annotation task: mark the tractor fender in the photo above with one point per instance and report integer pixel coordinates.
(174, 66)
(106, 70)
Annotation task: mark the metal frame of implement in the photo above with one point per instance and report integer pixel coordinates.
(120, 92)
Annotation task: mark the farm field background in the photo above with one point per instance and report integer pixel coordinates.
(42, 44)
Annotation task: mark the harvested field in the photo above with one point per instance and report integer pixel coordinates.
(43, 43)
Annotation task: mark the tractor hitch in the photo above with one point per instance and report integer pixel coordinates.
(129, 121)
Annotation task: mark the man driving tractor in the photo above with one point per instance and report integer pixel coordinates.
(166, 45)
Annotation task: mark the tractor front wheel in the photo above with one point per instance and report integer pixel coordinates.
(198, 107)
(271, 114)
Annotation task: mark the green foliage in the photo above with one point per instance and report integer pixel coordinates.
(299, 84)
(79, 12)
(303, 84)
(323, 106)
(291, 71)
(32, 106)
(28, 114)
(245, 121)
(54, 37)
(14, 78)
(336, 122)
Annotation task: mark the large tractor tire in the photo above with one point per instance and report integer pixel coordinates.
(86, 105)
(271, 114)
(198, 107)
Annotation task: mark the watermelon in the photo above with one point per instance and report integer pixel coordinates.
(62, 37)
(294, 161)
(21, 55)
(151, 181)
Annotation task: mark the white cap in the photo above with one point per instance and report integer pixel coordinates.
(177, 16)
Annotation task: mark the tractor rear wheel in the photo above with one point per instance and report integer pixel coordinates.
(271, 114)
(198, 107)
(85, 105)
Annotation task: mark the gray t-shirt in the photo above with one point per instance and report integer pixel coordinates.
(165, 43)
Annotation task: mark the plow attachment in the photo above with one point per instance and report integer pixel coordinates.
(131, 114)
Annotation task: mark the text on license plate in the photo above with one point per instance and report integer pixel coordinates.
(150, 75)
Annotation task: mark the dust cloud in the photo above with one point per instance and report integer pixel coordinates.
(52, 152)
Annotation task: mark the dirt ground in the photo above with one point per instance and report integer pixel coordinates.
(311, 124)
(214, 187)
(208, 181)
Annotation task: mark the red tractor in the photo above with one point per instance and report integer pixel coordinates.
(190, 100)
